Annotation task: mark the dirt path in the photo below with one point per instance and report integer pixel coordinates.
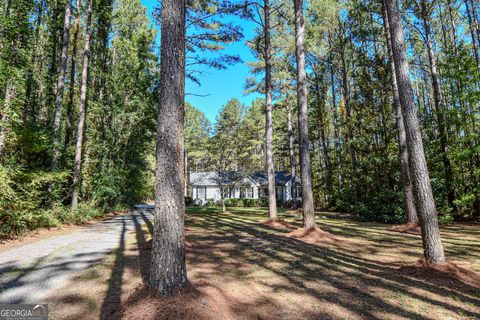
(29, 273)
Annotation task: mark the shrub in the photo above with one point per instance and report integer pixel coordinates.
(250, 203)
(231, 202)
(262, 202)
(188, 201)
(445, 215)
(209, 203)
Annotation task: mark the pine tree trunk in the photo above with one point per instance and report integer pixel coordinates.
(346, 100)
(9, 96)
(473, 36)
(168, 271)
(335, 127)
(60, 85)
(432, 244)
(304, 142)
(410, 210)
(71, 90)
(321, 96)
(291, 152)
(272, 202)
(438, 103)
(77, 172)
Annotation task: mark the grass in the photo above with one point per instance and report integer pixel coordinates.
(239, 268)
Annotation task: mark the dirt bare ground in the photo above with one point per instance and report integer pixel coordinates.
(239, 268)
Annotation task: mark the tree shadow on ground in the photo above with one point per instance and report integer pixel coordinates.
(358, 282)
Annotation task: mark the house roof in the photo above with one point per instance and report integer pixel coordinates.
(214, 178)
(281, 178)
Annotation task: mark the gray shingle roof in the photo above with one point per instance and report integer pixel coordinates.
(281, 177)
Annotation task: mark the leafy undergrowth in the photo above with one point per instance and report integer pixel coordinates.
(239, 268)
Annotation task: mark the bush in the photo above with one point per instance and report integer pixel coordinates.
(27, 199)
(209, 203)
(231, 202)
(262, 202)
(445, 215)
(188, 201)
(250, 203)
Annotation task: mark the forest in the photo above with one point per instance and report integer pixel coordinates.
(372, 103)
(61, 160)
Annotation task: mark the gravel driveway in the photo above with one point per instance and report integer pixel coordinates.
(31, 272)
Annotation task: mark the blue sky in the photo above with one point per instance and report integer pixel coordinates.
(220, 85)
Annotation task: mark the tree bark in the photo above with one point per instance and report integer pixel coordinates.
(432, 244)
(77, 172)
(438, 103)
(304, 142)
(272, 202)
(471, 28)
(9, 96)
(60, 85)
(321, 88)
(168, 271)
(291, 152)
(73, 62)
(346, 100)
(410, 210)
(335, 127)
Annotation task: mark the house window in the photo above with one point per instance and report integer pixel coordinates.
(298, 191)
(279, 193)
(246, 192)
(201, 193)
(228, 192)
(263, 192)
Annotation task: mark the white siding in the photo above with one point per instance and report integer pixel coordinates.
(213, 193)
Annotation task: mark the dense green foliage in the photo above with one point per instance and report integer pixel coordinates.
(352, 125)
(120, 118)
(353, 138)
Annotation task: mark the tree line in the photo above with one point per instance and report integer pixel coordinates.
(357, 137)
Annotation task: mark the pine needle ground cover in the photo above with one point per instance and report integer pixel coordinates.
(240, 267)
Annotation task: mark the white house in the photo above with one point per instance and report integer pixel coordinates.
(207, 185)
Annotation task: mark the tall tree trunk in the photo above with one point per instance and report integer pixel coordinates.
(9, 96)
(471, 28)
(168, 271)
(71, 89)
(335, 127)
(304, 142)
(60, 85)
(346, 100)
(77, 172)
(432, 243)
(272, 202)
(30, 82)
(410, 210)
(321, 88)
(291, 152)
(438, 103)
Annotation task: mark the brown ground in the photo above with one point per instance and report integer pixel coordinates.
(239, 268)
(312, 236)
(39, 234)
(282, 224)
(412, 228)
